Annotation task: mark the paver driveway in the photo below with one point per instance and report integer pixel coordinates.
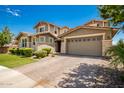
(50, 72)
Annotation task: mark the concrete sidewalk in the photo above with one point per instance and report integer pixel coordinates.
(10, 78)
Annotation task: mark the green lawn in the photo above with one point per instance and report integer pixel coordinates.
(12, 61)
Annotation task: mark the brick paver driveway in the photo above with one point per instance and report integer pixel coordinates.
(66, 71)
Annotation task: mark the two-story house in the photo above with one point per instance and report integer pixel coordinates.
(45, 36)
(92, 38)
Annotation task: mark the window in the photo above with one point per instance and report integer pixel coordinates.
(88, 39)
(46, 28)
(24, 42)
(47, 39)
(65, 31)
(42, 29)
(94, 39)
(51, 40)
(79, 40)
(55, 32)
(75, 40)
(41, 39)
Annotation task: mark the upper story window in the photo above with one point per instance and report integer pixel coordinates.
(65, 31)
(42, 29)
(46, 28)
(55, 32)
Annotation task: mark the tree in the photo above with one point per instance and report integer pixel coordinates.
(5, 36)
(113, 13)
(116, 53)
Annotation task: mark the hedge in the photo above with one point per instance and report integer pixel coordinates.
(27, 52)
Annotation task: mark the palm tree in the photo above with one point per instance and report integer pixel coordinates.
(116, 53)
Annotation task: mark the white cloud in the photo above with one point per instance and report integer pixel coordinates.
(13, 12)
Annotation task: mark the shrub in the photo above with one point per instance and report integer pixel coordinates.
(27, 52)
(17, 51)
(40, 54)
(48, 50)
(11, 50)
(21, 51)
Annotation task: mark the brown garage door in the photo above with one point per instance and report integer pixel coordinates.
(85, 46)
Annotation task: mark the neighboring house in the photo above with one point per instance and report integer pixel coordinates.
(92, 38)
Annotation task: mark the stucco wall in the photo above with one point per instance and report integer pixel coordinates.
(105, 45)
(89, 32)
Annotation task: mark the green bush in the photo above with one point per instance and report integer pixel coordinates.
(17, 51)
(27, 52)
(40, 54)
(48, 50)
(21, 51)
(11, 50)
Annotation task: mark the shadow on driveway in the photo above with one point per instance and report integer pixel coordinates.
(92, 76)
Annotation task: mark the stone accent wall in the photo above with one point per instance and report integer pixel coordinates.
(105, 45)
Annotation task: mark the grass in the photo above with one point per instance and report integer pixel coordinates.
(12, 61)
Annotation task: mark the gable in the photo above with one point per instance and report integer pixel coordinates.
(84, 31)
(21, 35)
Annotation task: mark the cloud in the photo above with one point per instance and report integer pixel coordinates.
(13, 12)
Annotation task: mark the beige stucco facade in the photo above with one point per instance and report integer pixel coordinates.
(91, 47)
(92, 38)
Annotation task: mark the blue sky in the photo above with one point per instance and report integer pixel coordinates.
(23, 18)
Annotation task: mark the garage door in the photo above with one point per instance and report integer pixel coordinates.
(85, 46)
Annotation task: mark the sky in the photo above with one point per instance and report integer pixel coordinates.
(20, 18)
